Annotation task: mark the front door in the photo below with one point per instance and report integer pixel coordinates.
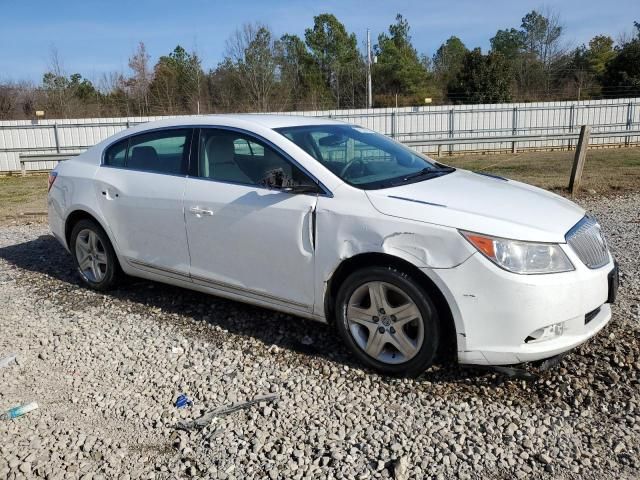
(243, 237)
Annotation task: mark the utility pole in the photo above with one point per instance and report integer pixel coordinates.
(369, 92)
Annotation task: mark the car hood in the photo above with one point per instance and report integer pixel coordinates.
(482, 204)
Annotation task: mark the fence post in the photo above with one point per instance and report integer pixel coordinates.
(572, 120)
(393, 124)
(451, 127)
(579, 159)
(629, 122)
(55, 135)
(514, 129)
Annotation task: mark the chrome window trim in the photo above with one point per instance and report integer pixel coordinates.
(325, 191)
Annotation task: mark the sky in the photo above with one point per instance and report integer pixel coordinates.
(96, 37)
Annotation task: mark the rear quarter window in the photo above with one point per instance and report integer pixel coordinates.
(116, 154)
(164, 151)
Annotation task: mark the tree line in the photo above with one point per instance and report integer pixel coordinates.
(325, 69)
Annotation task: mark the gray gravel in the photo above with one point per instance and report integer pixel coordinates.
(106, 369)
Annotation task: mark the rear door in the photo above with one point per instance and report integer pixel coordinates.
(140, 189)
(244, 237)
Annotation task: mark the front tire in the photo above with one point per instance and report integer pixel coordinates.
(94, 256)
(388, 321)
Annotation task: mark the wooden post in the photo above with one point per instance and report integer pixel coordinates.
(579, 159)
(451, 129)
(56, 137)
(514, 128)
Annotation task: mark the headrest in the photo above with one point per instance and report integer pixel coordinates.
(144, 157)
(220, 149)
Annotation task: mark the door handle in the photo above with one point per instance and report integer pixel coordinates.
(200, 211)
(109, 195)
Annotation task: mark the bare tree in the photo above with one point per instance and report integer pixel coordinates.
(141, 79)
(543, 31)
(55, 85)
(252, 53)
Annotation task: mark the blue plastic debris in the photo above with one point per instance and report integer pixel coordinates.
(18, 411)
(183, 401)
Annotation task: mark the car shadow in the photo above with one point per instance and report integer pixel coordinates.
(312, 340)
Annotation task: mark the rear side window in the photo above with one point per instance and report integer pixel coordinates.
(165, 151)
(116, 154)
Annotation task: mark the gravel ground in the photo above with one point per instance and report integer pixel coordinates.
(107, 368)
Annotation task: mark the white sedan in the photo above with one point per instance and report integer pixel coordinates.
(337, 223)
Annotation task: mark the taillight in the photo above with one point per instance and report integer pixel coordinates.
(52, 178)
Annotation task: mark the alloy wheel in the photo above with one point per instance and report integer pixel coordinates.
(385, 322)
(91, 256)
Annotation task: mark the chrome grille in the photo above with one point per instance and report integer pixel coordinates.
(586, 239)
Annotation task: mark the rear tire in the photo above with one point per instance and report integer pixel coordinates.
(388, 321)
(94, 256)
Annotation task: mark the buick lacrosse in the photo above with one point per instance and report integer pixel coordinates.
(403, 255)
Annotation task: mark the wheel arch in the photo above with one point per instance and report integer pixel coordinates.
(81, 214)
(448, 345)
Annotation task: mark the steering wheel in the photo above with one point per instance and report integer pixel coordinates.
(350, 164)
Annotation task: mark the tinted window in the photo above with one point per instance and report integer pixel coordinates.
(234, 157)
(165, 151)
(116, 154)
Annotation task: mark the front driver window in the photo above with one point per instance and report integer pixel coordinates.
(231, 156)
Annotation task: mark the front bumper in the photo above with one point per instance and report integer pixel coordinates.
(497, 312)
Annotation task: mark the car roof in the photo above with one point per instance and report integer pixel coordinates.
(247, 120)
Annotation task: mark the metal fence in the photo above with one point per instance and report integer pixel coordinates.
(431, 129)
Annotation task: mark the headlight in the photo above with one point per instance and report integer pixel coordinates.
(526, 258)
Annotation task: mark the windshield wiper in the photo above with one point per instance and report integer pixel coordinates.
(427, 172)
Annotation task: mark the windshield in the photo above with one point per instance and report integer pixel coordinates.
(363, 158)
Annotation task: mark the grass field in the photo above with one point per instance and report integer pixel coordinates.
(607, 172)
(22, 198)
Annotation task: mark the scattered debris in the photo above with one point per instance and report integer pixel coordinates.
(183, 401)
(208, 417)
(8, 360)
(509, 372)
(552, 362)
(19, 411)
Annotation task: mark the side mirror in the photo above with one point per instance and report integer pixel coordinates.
(277, 180)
